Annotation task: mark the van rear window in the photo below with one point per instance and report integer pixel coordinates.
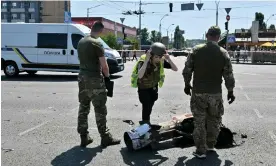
(52, 40)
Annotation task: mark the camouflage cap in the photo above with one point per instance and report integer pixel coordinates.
(214, 31)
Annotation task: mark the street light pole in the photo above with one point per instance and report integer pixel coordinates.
(88, 11)
(160, 24)
(140, 36)
(217, 4)
(168, 34)
(269, 18)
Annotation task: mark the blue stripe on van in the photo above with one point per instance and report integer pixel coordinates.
(6, 49)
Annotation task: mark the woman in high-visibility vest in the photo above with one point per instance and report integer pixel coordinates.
(148, 74)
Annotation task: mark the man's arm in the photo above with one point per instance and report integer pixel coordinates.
(103, 62)
(188, 70)
(168, 64)
(228, 75)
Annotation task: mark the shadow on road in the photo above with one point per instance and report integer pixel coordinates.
(142, 157)
(76, 156)
(212, 159)
(48, 78)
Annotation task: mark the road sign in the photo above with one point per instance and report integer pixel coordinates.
(227, 17)
(187, 6)
(231, 39)
(67, 17)
(228, 10)
(120, 40)
(122, 20)
(199, 6)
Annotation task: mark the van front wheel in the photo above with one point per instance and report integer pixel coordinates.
(11, 69)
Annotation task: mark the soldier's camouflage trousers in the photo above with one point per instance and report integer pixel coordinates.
(207, 110)
(92, 90)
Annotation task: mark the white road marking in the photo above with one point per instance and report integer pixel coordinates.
(247, 97)
(273, 136)
(258, 113)
(252, 74)
(53, 93)
(126, 85)
(33, 128)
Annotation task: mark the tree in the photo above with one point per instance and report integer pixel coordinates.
(111, 41)
(155, 36)
(179, 40)
(134, 42)
(272, 26)
(144, 36)
(260, 17)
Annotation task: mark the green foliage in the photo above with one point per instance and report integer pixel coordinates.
(111, 40)
(134, 42)
(272, 26)
(260, 17)
(179, 41)
(155, 36)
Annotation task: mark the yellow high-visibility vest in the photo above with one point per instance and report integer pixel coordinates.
(134, 75)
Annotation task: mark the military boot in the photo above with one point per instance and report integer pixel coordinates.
(108, 140)
(85, 140)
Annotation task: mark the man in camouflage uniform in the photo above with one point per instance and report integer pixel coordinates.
(92, 87)
(209, 63)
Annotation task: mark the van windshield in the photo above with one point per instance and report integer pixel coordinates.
(105, 46)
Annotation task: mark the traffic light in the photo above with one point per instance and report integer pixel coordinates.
(171, 6)
(226, 25)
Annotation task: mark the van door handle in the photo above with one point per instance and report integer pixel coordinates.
(63, 52)
(72, 52)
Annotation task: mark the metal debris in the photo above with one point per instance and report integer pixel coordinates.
(7, 149)
(243, 135)
(173, 112)
(130, 122)
(48, 142)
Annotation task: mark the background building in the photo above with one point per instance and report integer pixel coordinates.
(34, 11)
(109, 26)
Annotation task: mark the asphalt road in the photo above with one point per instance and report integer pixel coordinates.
(39, 118)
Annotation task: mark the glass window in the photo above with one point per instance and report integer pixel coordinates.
(52, 40)
(14, 16)
(31, 16)
(75, 40)
(4, 5)
(4, 16)
(32, 4)
(22, 5)
(14, 4)
(22, 16)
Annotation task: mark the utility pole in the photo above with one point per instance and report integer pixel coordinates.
(217, 4)
(140, 36)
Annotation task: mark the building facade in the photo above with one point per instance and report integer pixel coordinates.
(34, 11)
(109, 26)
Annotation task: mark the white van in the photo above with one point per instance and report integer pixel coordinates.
(33, 47)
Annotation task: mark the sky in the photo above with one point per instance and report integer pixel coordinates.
(194, 22)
